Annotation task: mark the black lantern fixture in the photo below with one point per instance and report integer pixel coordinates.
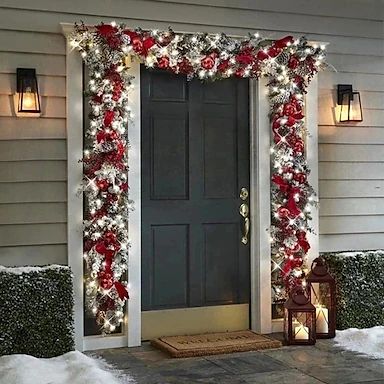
(27, 99)
(299, 318)
(323, 297)
(350, 104)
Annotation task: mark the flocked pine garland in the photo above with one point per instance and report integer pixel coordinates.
(289, 65)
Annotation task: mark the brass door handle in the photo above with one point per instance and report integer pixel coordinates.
(244, 212)
(244, 239)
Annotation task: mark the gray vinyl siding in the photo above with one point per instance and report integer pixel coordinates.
(33, 152)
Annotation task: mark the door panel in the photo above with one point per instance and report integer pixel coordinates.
(195, 160)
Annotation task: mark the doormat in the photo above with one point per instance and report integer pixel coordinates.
(214, 343)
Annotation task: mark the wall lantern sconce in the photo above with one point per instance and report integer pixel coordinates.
(350, 104)
(27, 98)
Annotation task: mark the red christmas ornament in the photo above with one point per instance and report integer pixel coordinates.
(137, 44)
(102, 184)
(283, 212)
(299, 146)
(300, 177)
(163, 62)
(289, 109)
(106, 280)
(293, 62)
(208, 62)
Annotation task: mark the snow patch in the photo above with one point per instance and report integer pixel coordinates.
(368, 341)
(29, 269)
(70, 368)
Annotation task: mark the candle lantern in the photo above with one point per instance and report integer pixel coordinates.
(299, 318)
(323, 297)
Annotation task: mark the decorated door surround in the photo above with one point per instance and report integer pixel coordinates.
(260, 265)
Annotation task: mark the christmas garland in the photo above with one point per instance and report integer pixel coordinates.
(288, 63)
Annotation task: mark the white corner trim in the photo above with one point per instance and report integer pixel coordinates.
(311, 113)
(74, 99)
(134, 223)
(261, 309)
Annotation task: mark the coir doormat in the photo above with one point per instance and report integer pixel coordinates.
(214, 343)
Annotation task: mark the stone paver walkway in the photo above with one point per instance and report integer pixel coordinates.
(322, 363)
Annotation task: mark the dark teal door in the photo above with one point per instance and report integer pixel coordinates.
(195, 160)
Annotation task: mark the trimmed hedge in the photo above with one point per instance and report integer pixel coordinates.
(36, 311)
(359, 288)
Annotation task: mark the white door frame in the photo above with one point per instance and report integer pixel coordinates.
(261, 314)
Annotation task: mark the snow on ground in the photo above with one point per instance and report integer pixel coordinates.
(71, 368)
(369, 341)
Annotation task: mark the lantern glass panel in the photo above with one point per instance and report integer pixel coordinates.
(350, 109)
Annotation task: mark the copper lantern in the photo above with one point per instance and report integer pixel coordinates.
(323, 297)
(299, 318)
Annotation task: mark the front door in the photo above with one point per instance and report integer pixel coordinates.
(195, 162)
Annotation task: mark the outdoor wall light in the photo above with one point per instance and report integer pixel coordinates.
(27, 99)
(349, 103)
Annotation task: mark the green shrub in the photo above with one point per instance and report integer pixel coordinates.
(359, 288)
(36, 311)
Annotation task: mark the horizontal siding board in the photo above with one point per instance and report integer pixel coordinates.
(17, 41)
(32, 234)
(354, 224)
(29, 213)
(358, 63)
(351, 153)
(25, 128)
(17, 150)
(351, 188)
(33, 255)
(341, 8)
(351, 207)
(203, 15)
(351, 135)
(50, 106)
(50, 170)
(48, 85)
(33, 192)
(360, 81)
(363, 241)
(351, 171)
(44, 64)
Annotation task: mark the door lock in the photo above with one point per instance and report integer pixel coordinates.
(244, 193)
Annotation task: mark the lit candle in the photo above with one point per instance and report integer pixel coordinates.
(301, 333)
(321, 319)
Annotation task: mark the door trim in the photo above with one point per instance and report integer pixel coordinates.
(261, 320)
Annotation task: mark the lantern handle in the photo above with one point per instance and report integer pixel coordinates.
(300, 295)
(319, 267)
